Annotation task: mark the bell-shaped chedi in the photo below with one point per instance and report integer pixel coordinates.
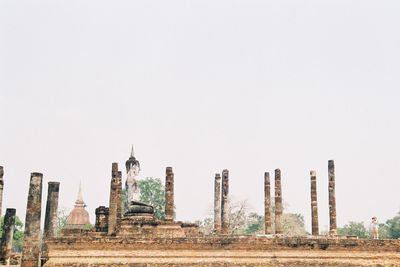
(78, 217)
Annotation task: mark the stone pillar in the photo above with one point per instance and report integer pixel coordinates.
(102, 219)
(119, 201)
(332, 198)
(217, 204)
(115, 210)
(169, 194)
(278, 202)
(267, 204)
(50, 219)
(225, 203)
(31, 248)
(314, 204)
(7, 238)
(1, 189)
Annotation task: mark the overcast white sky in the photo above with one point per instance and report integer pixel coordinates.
(201, 86)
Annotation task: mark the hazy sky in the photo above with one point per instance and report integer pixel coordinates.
(201, 86)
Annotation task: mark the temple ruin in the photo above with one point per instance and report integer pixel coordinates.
(137, 238)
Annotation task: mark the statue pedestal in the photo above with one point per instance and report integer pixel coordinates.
(138, 217)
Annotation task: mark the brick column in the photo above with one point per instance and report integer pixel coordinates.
(102, 219)
(314, 204)
(278, 202)
(7, 237)
(115, 209)
(217, 203)
(1, 188)
(225, 203)
(169, 194)
(50, 219)
(332, 198)
(31, 248)
(267, 204)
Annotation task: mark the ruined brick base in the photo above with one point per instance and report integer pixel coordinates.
(221, 251)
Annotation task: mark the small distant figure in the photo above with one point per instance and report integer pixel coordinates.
(374, 228)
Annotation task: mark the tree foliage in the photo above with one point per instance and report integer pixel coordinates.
(152, 192)
(355, 229)
(393, 226)
(242, 221)
(388, 230)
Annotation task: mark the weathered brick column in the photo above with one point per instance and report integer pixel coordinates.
(115, 210)
(169, 194)
(217, 203)
(50, 219)
(278, 202)
(1, 189)
(332, 198)
(7, 237)
(225, 203)
(314, 204)
(267, 204)
(102, 219)
(31, 248)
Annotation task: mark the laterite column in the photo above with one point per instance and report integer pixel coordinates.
(50, 219)
(217, 203)
(1, 188)
(278, 202)
(332, 198)
(314, 204)
(169, 194)
(115, 209)
(225, 203)
(31, 248)
(267, 204)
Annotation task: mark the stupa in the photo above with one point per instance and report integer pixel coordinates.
(78, 217)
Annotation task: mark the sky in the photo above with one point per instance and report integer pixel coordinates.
(203, 86)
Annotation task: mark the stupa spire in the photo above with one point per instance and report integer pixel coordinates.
(79, 199)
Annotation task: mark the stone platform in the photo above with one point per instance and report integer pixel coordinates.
(146, 226)
(227, 251)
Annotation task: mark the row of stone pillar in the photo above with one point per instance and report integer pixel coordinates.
(8, 226)
(332, 201)
(31, 250)
(314, 202)
(221, 203)
(221, 210)
(268, 203)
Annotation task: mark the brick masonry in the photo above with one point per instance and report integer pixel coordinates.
(232, 251)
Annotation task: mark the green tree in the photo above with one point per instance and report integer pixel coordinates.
(384, 232)
(354, 228)
(393, 226)
(152, 192)
(18, 237)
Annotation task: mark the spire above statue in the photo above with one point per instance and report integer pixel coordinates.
(135, 206)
